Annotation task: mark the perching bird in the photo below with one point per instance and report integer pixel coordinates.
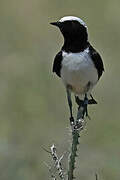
(78, 64)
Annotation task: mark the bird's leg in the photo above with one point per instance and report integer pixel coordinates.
(78, 101)
(83, 103)
(70, 106)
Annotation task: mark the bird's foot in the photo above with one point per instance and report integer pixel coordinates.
(79, 125)
(76, 125)
(72, 121)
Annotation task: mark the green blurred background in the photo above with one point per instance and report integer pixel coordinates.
(33, 106)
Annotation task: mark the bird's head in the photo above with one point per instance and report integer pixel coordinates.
(72, 28)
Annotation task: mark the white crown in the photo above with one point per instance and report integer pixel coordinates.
(73, 18)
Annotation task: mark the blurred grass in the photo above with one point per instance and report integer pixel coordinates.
(33, 107)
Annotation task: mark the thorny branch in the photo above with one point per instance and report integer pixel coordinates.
(77, 127)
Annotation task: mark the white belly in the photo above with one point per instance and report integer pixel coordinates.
(77, 71)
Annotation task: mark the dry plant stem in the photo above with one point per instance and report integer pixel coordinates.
(57, 162)
(76, 128)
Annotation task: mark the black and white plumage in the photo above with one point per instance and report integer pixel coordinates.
(78, 64)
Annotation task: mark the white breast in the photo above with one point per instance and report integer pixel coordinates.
(78, 70)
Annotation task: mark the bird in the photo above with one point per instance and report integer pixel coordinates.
(78, 64)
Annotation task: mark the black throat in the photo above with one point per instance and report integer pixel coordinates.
(75, 41)
(74, 46)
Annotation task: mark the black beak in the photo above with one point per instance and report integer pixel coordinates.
(58, 24)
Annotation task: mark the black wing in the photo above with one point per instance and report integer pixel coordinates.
(57, 63)
(97, 60)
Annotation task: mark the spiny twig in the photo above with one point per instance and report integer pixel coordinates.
(76, 128)
(73, 155)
